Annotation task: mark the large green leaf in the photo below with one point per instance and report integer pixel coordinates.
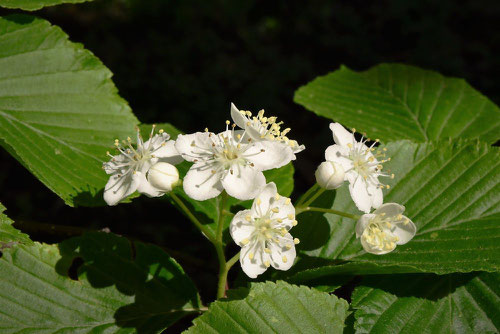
(274, 308)
(35, 4)
(451, 192)
(9, 234)
(59, 110)
(458, 303)
(117, 288)
(394, 102)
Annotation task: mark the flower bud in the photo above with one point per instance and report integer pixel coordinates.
(163, 176)
(329, 175)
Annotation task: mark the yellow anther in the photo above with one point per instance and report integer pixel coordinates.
(353, 129)
(371, 159)
(129, 139)
(277, 196)
(267, 221)
(267, 264)
(206, 129)
(279, 220)
(294, 223)
(296, 241)
(406, 222)
(288, 201)
(213, 171)
(392, 176)
(275, 210)
(263, 228)
(288, 246)
(377, 140)
(227, 122)
(268, 235)
(258, 201)
(245, 242)
(285, 260)
(387, 224)
(291, 216)
(238, 136)
(382, 214)
(250, 256)
(283, 231)
(267, 250)
(387, 186)
(248, 218)
(384, 149)
(349, 145)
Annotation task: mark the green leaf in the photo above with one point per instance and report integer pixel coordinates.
(35, 4)
(450, 191)
(274, 308)
(459, 303)
(59, 110)
(118, 287)
(9, 234)
(394, 102)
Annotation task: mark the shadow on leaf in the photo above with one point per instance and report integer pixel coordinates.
(158, 290)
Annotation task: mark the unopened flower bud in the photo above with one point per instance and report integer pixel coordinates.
(163, 176)
(329, 175)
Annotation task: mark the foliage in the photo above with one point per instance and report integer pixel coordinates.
(35, 4)
(60, 112)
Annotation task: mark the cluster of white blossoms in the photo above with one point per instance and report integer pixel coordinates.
(353, 161)
(234, 160)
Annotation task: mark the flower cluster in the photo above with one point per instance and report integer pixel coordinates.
(233, 161)
(353, 161)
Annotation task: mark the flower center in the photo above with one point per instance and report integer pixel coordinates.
(379, 234)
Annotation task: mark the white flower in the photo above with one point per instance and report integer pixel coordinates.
(227, 161)
(385, 228)
(361, 167)
(329, 175)
(262, 232)
(129, 168)
(261, 128)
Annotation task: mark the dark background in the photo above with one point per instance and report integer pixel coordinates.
(184, 61)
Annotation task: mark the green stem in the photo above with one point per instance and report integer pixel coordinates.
(192, 217)
(336, 212)
(306, 194)
(219, 247)
(313, 197)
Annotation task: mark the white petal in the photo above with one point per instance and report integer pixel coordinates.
(269, 154)
(238, 118)
(146, 188)
(240, 228)
(405, 232)
(244, 182)
(362, 223)
(201, 184)
(119, 188)
(377, 196)
(340, 135)
(264, 199)
(255, 266)
(390, 209)
(281, 252)
(359, 195)
(337, 153)
(374, 250)
(168, 153)
(193, 146)
(297, 148)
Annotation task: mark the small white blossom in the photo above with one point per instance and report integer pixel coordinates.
(129, 168)
(262, 232)
(329, 175)
(261, 128)
(361, 167)
(385, 228)
(229, 160)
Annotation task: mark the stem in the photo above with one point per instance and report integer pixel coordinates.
(221, 285)
(306, 194)
(313, 197)
(192, 217)
(339, 213)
